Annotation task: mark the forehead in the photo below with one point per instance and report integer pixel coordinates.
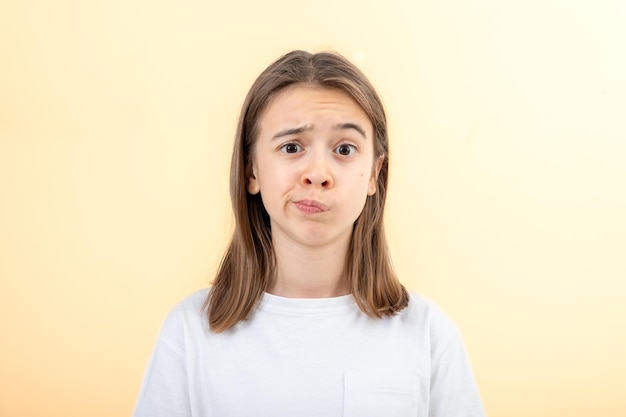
(304, 104)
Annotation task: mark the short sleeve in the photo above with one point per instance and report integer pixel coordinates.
(164, 390)
(453, 389)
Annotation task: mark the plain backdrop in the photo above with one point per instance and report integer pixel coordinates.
(507, 203)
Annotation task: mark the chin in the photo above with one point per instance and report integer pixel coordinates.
(324, 239)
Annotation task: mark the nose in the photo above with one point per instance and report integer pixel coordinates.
(317, 172)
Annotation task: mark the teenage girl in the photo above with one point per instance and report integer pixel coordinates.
(306, 316)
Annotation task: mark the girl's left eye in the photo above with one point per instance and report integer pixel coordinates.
(345, 149)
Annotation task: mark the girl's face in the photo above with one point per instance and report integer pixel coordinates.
(313, 164)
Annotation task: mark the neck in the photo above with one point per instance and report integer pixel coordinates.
(310, 272)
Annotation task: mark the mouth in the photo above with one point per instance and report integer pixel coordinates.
(310, 206)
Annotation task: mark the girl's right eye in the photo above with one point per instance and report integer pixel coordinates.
(290, 148)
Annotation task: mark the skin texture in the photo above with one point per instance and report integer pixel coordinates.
(314, 166)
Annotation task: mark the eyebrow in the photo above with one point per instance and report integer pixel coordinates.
(338, 126)
(342, 126)
(292, 131)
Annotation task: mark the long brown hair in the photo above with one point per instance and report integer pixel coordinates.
(249, 265)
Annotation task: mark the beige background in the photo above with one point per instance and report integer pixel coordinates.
(507, 205)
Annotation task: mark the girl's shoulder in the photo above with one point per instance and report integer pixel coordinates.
(425, 312)
(190, 305)
(187, 314)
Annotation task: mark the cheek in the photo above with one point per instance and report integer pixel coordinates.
(271, 180)
(273, 186)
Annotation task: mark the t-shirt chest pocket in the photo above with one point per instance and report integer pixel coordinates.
(380, 394)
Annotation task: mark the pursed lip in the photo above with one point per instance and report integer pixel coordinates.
(310, 206)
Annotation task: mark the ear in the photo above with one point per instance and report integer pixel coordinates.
(252, 184)
(371, 190)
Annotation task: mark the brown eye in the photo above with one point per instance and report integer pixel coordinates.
(290, 148)
(345, 150)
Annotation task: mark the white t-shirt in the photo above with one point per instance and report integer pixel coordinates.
(309, 357)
